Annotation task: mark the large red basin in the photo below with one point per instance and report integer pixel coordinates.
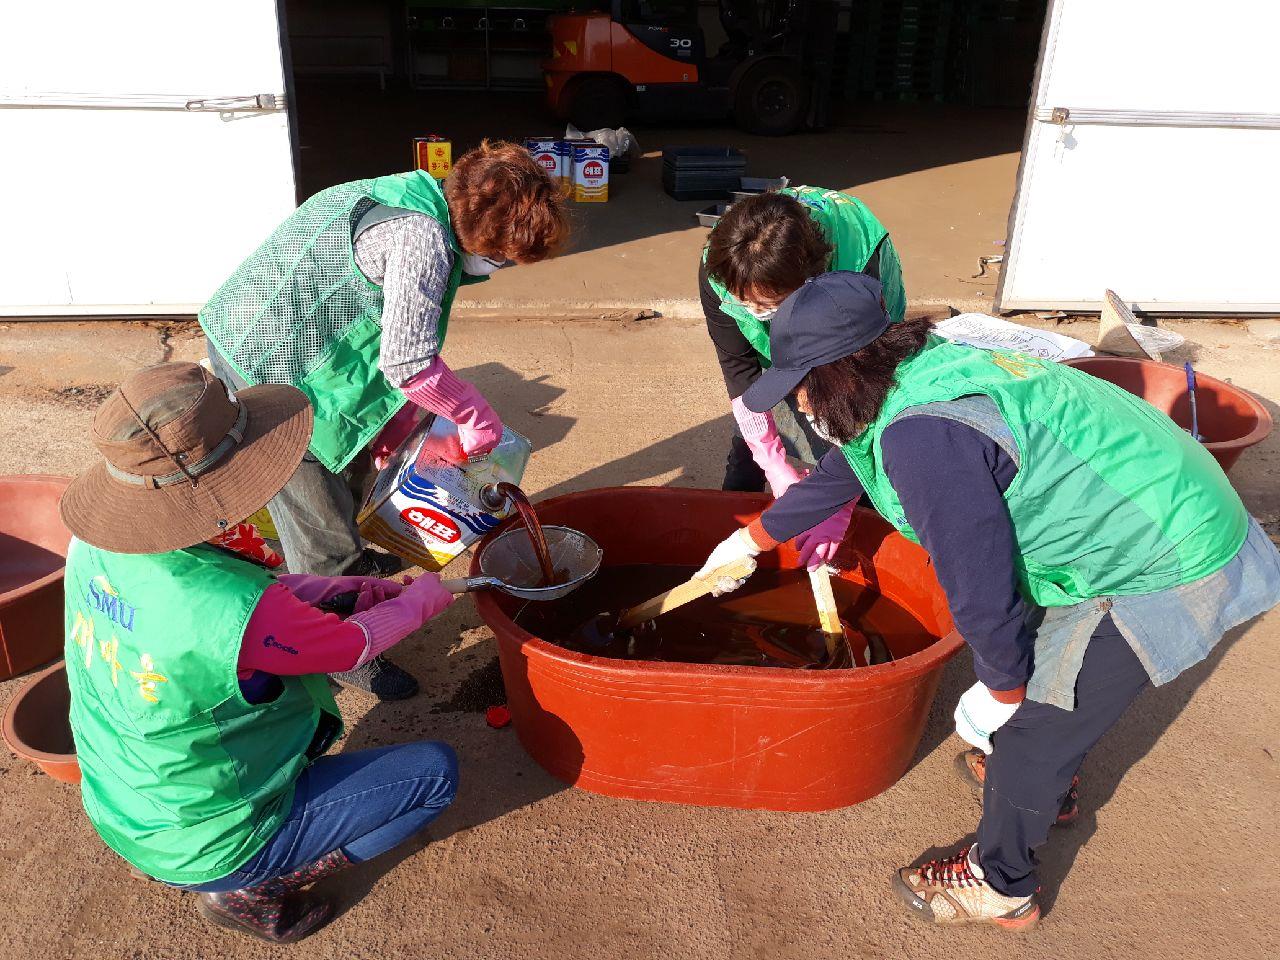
(1230, 419)
(731, 736)
(37, 724)
(33, 551)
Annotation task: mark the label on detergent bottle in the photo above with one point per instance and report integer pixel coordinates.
(425, 505)
(564, 151)
(590, 172)
(547, 154)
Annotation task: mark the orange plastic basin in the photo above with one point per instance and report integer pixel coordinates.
(37, 725)
(1230, 419)
(753, 737)
(33, 552)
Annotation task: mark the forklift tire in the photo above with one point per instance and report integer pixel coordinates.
(771, 100)
(596, 102)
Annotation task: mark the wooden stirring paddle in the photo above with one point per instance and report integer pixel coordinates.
(828, 616)
(690, 590)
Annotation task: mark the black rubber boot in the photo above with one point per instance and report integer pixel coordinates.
(374, 563)
(276, 911)
(382, 678)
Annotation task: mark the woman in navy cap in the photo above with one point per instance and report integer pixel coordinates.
(1087, 545)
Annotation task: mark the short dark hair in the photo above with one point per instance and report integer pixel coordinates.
(767, 244)
(847, 394)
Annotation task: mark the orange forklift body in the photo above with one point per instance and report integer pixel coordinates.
(594, 43)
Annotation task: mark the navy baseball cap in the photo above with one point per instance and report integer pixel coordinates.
(832, 316)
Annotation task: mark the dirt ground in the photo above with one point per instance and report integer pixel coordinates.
(1173, 857)
(941, 178)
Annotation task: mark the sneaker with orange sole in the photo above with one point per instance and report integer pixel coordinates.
(954, 891)
(972, 767)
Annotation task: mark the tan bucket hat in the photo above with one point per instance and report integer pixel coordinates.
(184, 461)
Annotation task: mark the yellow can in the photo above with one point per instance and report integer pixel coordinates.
(433, 154)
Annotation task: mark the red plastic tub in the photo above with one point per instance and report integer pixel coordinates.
(37, 725)
(33, 553)
(753, 737)
(1230, 419)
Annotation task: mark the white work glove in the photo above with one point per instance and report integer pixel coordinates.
(737, 546)
(979, 715)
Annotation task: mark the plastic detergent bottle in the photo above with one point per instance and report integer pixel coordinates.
(432, 501)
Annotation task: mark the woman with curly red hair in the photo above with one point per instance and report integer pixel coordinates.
(349, 300)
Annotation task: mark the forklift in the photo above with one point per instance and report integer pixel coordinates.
(647, 60)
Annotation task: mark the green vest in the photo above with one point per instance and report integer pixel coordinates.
(854, 234)
(181, 776)
(1111, 496)
(299, 311)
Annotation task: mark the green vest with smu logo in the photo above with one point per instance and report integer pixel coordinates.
(854, 234)
(299, 311)
(181, 776)
(1111, 496)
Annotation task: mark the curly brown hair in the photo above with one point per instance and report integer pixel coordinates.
(504, 205)
(766, 247)
(845, 395)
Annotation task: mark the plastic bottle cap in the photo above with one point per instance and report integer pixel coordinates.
(497, 717)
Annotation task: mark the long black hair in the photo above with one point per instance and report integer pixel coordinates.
(847, 394)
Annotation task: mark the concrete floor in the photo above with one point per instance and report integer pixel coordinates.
(1174, 854)
(941, 178)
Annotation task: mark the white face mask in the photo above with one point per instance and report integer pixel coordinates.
(817, 428)
(478, 266)
(762, 315)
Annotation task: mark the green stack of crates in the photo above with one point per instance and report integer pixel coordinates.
(903, 49)
(976, 52)
(997, 43)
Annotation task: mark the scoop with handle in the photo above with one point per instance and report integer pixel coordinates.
(508, 564)
(687, 592)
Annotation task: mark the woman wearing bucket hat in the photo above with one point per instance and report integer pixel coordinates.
(199, 701)
(1088, 548)
(762, 250)
(349, 301)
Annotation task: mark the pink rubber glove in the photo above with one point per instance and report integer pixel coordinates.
(396, 432)
(315, 590)
(389, 622)
(374, 591)
(818, 545)
(438, 390)
(761, 434)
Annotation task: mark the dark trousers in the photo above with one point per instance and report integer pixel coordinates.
(1037, 753)
(741, 472)
(315, 512)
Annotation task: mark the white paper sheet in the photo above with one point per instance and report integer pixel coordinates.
(992, 333)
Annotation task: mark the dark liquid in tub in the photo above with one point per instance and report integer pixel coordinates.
(770, 622)
(530, 518)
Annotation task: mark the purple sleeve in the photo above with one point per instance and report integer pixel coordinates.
(830, 485)
(951, 480)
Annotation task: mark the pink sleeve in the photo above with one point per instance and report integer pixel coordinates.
(289, 638)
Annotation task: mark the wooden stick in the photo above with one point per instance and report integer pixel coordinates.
(828, 616)
(688, 591)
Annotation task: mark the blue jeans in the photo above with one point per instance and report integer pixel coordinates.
(365, 803)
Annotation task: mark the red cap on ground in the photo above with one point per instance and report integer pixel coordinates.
(497, 717)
